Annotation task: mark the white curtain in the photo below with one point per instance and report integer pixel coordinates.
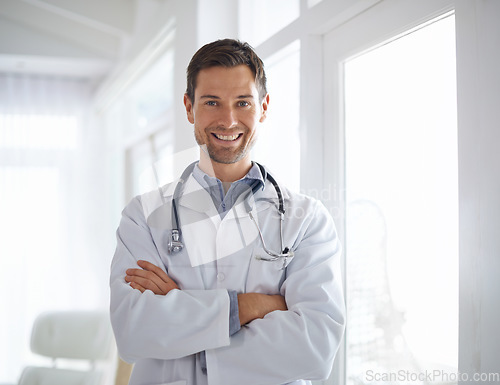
(53, 249)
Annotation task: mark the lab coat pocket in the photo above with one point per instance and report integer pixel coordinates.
(265, 276)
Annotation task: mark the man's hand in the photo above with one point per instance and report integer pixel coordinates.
(255, 305)
(150, 277)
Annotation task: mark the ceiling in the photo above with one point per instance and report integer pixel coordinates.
(83, 38)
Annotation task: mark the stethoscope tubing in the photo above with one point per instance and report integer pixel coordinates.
(175, 244)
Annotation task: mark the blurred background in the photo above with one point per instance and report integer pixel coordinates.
(386, 110)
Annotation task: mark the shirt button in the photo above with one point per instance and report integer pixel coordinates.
(220, 276)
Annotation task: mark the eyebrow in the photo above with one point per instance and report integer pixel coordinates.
(217, 97)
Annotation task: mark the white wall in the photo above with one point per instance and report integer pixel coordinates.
(478, 61)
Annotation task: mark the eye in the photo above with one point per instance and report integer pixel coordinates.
(243, 103)
(211, 103)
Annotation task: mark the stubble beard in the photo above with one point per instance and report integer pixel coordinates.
(225, 155)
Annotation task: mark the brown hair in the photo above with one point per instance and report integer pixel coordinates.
(225, 53)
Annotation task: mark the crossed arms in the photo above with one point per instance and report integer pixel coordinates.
(250, 305)
(298, 343)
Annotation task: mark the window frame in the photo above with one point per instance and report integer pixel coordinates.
(381, 23)
(478, 166)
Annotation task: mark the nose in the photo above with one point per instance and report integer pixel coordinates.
(227, 117)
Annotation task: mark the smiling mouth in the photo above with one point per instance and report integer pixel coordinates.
(227, 138)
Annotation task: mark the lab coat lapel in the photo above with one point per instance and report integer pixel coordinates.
(199, 222)
(208, 238)
(237, 230)
(196, 198)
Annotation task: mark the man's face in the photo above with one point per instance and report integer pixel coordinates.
(226, 112)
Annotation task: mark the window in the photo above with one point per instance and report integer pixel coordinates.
(151, 96)
(260, 19)
(278, 146)
(402, 207)
(37, 131)
(142, 116)
(40, 235)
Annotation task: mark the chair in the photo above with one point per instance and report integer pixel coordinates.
(75, 335)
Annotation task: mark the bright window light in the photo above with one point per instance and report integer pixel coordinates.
(38, 131)
(279, 135)
(402, 208)
(30, 239)
(151, 96)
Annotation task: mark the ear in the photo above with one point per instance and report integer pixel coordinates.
(264, 105)
(189, 108)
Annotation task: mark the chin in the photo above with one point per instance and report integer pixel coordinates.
(226, 158)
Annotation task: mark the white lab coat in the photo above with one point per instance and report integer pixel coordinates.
(163, 335)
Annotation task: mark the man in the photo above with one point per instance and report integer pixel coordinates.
(222, 309)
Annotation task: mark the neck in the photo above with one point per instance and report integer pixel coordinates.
(222, 171)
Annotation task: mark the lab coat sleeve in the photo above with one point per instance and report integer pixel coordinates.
(146, 325)
(300, 343)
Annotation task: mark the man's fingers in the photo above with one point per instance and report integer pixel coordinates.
(169, 282)
(137, 286)
(144, 274)
(145, 283)
(148, 266)
(151, 277)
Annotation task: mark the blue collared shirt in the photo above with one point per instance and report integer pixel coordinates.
(225, 201)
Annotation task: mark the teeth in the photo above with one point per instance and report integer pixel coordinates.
(224, 137)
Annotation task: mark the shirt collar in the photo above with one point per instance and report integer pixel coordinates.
(254, 175)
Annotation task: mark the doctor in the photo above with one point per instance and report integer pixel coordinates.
(220, 311)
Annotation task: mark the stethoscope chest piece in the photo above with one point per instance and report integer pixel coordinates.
(286, 256)
(174, 244)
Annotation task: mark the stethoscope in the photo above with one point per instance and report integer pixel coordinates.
(175, 244)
